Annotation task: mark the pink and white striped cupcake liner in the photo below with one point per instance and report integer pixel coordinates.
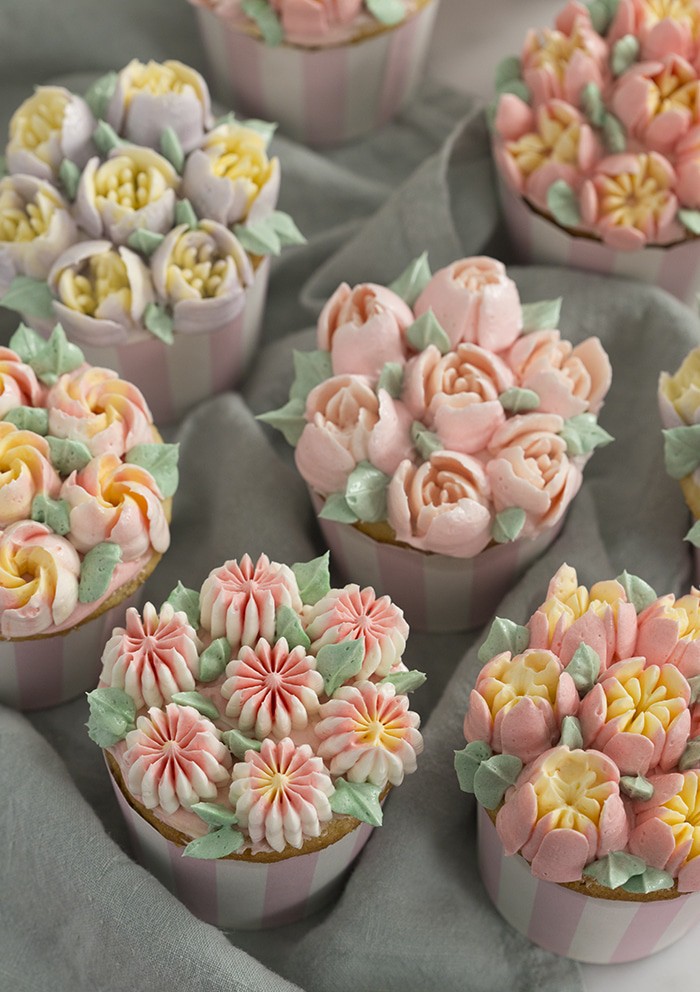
(243, 895)
(597, 931)
(319, 96)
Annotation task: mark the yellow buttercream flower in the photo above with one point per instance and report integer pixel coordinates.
(666, 831)
(569, 600)
(132, 180)
(505, 680)
(682, 813)
(35, 122)
(25, 220)
(159, 78)
(635, 198)
(572, 786)
(239, 154)
(102, 276)
(35, 227)
(51, 125)
(684, 11)
(556, 140)
(682, 390)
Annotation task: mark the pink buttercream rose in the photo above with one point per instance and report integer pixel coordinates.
(657, 102)
(474, 300)
(666, 828)
(25, 472)
(456, 395)
(363, 328)
(530, 469)
(688, 169)
(518, 703)
(19, 385)
(568, 380)
(564, 811)
(669, 633)
(661, 28)
(442, 505)
(315, 18)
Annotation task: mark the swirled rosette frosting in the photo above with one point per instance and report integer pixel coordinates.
(25, 472)
(19, 385)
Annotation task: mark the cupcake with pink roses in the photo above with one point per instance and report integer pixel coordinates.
(596, 138)
(442, 428)
(85, 495)
(583, 754)
(252, 730)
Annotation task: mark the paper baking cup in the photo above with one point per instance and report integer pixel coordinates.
(538, 240)
(244, 895)
(319, 96)
(598, 931)
(436, 592)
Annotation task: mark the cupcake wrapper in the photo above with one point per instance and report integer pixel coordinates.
(537, 240)
(320, 96)
(436, 592)
(598, 931)
(239, 895)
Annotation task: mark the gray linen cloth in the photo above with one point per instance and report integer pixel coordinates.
(75, 911)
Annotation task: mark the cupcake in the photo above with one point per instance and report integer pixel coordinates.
(442, 429)
(597, 143)
(328, 71)
(252, 730)
(584, 757)
(145, 227)
(85, 496)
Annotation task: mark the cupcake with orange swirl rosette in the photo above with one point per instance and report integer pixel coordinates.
(252, 731)
(442, 429)
(583, 754)
(85, 495)
(145, 227)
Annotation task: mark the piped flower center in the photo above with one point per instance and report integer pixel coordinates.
(21, 221)
(682, 813)
(573, 786)
(535, 673)
(239, 153)
(129, 182)
(196, 260)
(674, 88)
(641, 700)
(684, 11)
(556, 140)
(39, 117)
(635, 199)
(103, 276)
(154, 78)
(555, 50)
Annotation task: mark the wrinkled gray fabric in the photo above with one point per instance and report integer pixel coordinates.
(75, 911)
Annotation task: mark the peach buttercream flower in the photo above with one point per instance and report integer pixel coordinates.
(687, 163)
(657, 102)
(51, 125)
(35, 228)
(19, 385)
(669, 633)
(679, 394)
(666, 828)
(314, 18)
(25, 471)
(663, 27)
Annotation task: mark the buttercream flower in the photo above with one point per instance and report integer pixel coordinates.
(281, 794)
(38, 579)
(240, 600)
(629, 201)
(531, 470)
(572, 615)
(314, 18)
(442, 505)
(456, 395)
(272, 689)
(96, 407)
(679, 394)
(568, 380)
(564, 812)
(153, 656)
(25, 471)
(368, 734)
(363, 327)
(638, 715)
(51, 125)
(203, 274)
(354, 614)
(175, 758)
(230, 178)
(348, 423)
(19, 385)
(35, 228)
(114, 501)
(687, 163)
(101, 292)
(657, 102)
(666, 828)
(134, 188)
(152, 96)
(474, 301)
(663, 27)
(518, 703)
(669, 633)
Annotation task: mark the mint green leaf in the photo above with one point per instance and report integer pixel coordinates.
(68, 456)
(198, 702)
(171, 148)
(217, 844)
(29, 418)
(56, 357)
(518, 400)
(405, 682)
(614, 135)
(289, 420)
(105, 138)
(583, 434)
(681, 449)
(238, 743)
(691, 756)
(638, 592)
(571, 735)
(541, 316)
(358, 799)
(504, 635)
(52, 512)
(467, 762)
(28, 296)
(3, 166)
(112, 716)
(693, 535)
(694, 683)
(592, 104)
(214, 659)
(387, 11)
(260, 238)
(185, 601)
(391, 379)
(413, 280)
(214, 814)
(615, 869)
(313, 578)
(508, 524)
(159, 322)
(493, 777)
(426, 441)
(584, 668)
(184, 214)
(265, 128)
(96, 571)
(336, 508)
(99, 95)
(650, 880)
(624, 54)
(144, 241)
(602, 13)
(690, 219)
(27, 343)
(518, 88)
(311, 368)
(69, 174)
(365, 492)
(285, 228)
(339, 662)
(288, 625)
(636, 787)
(507, 70)
(563, 204)
(428, 330)
(266, 19)
(161, 460)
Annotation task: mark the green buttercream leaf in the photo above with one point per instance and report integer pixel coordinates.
(602, 13)
(388, 12)
(265, 128)
(105, 138)
(681, 450)
(405, 682)
(365, 492)
(55, 357)
(413, 280)
(638, 592)
(144, 241)
(52, 512)
(690, 219)
(625, 52)
(694, 683)
(289, 420)
(615, 869)
(391, 379)
(541, 316)
(68, 456)
(313, 578)
(158, 321)
(99, 95)
(468, 760)
(31, 297)
(636, 787)
(112, 716)
(508, 524)
(693, 535)
(238, 743)
(184, 214)
(592, 104)
(161, 460)
(198, 702)
(185, 601)
(493, 777)
(425, 441)
(26, 342)
(171, 148)
(214, 814)
(584, 668)
(691, 756)
(311, 368)
(614, 135)
(214, 659)
(583, 434)
(571, 735)
(563, 204)
(288, 625)
(518, 88)
(339, 662)
(259, 239)
(518, 400)
(266, 19)
(650, 880)
(504, 635)
(336, 508)
(285, 228)
(217, 844)
(507, 70)
(29, 418)
(3, 166)
(69, 174)
(96, 571)
(428, 330)
(358, 799)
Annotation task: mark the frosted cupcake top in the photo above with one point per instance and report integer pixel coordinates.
(131, 211)
(84, 485)
(584, 735)
(597, 121)
(444, 409)
(679, 406)
(247, 715)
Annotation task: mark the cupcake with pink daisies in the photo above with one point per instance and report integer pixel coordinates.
(252, 730)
